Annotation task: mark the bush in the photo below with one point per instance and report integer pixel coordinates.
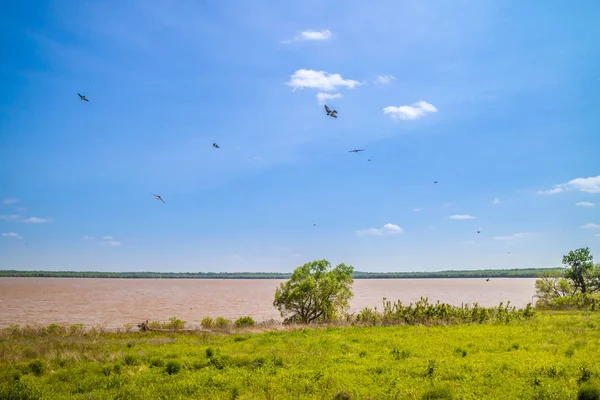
(130, 360)
(244, 321)
(174, 323)
(173, 367)
(588, 392)
(157, 362)
(37, 367)
(222, 322)
(207, 322)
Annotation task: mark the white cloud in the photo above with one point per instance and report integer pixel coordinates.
(322, 97)
(514, 236)
(496, 201)
(112, 243)
(446, 205)
(87, 238)
(107, 238)
(11, 200)
(414, 111)
(36, 220)
(321, 80)
(386, 230)
(9, 217)
(587, 185)
(590, 226)
(416, 209)
(461, 216)
(585, 204)
(12, 235)
(385, 79)
(310, 35)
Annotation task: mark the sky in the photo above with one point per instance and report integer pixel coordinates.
(497, 101)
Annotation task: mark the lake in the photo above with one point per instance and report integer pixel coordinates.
(115, 302)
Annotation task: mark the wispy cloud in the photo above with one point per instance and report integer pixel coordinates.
(496, 201)
(87, 238)
(446, 205)
(36, 220)
(514, 236)
(461, 216)
(12, 235)
(9, 217)
(585, 204)
(385, 79)
(310, 35)
(109, 240)
(386, 230)
(11, 200)
(321, 80)
(323, 97)
(415, 111)
(590, 225)
(416, 209)
(587, 185)
(597, 234)
(468, 242)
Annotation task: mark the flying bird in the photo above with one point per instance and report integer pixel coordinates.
(314, 224)
(435, 181)
(478, 231)
(487, 280)
(83, 98)
(356, 150)
(330, 112)
(157, 197)
(369, 159)
(216, 146)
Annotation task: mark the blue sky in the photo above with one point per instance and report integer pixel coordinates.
(493, 99)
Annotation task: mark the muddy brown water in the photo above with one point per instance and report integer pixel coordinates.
(115, 302)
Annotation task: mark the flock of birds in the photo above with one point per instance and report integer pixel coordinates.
(329, 111)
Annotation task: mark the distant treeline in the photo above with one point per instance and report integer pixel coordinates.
(482, 273)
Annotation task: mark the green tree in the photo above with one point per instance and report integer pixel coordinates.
(552, 286)
(315, 292)
(580, 262)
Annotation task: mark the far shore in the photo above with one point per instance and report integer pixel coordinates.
(489, 273)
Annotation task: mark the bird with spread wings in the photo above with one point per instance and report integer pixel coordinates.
(157, 197)
(82, 97)
(330, 112)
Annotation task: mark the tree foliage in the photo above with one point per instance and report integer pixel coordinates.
(577, 287)
(315, 292)
(580, 262)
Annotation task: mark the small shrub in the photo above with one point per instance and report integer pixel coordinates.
(430, 369)
(107, 370)
(586, 374)
(210, 352)
(239, 339)
(130, 345)
(437, 393)
(222, 322)
(37, 367)
(570, 352)
(235, 393)
(460, 352)
(130, 360)
(342, 395)
(244, 321)
(174, 323)
(207, 323)
(588, 392)
(157, 362)
(117, 368)
(173, 367)
(216, 362)
(362, 354)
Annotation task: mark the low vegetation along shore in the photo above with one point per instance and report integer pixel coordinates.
(401, 351)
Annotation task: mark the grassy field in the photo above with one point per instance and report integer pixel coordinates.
(547, 357)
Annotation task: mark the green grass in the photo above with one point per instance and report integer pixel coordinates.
(554, 355)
